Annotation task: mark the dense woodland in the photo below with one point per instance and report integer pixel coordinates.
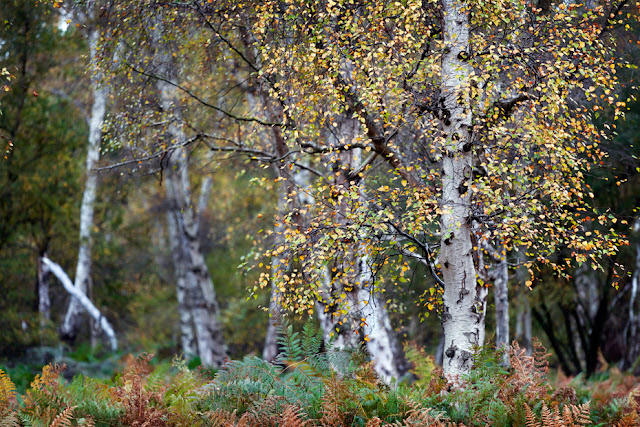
(439, 196)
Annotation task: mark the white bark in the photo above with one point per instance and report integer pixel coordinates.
(44, 302)
(83, 269)
(632, 329)
(366, 314)
(187, 336)
(203, 200)
(461, 319)
(84, 302)
(278, 268)
(380, 337)
(523, 316)
(196, 295)
(501, 295)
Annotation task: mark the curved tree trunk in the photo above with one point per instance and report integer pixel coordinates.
(71, 322)
(461, 318)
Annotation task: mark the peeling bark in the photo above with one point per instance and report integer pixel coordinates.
(462, 312)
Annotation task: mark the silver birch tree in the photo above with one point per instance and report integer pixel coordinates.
(82, 281)
(201, 331)
(461, 312)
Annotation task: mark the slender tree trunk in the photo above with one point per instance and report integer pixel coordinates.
(71, 321)
(462, 316)
(523, 322)
(187, 335)
(380, 337)
(632, 329)
(523, 315)
(278, 268)
(44, 302)
(500, 290)
(197, 301)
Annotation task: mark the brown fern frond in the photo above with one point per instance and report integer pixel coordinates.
(628, 420)
(136, 400)
(423, 417)
(374, 422)
(222, 418)
(64, 418)
(274, 411)
(45, 399)
(529, 372)
(530, 417)
(293, 416)
(8, 418)
(634, 398)
(551, 417)
(581, 414)
(49, 376)
(335, 393)
(7, 390)
(570, 416)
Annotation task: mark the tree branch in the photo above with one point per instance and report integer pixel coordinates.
(84, 301)
(203, 102)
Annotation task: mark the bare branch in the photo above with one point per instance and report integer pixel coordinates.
(203, 102)
(150, 157)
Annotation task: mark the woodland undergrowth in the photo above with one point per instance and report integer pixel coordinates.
(306, 386)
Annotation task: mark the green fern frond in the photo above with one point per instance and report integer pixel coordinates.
(311, 339)
(157, 379)
(94, 400)
(291, 349)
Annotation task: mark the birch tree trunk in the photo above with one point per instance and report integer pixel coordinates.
(461, 318)
(632, 329)
(44, 301)
(278, 267)
(187, 335)
(200, 329)
(523, 316)
(71, 322)
(366, 319)
(501, 294)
